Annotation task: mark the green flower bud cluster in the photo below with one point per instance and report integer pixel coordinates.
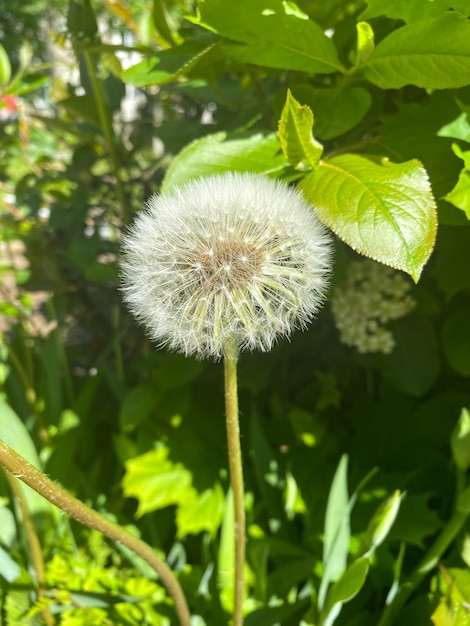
(371, 295)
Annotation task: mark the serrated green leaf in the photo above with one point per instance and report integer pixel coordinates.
(5, 67)
(221, 152)
(384, 211)
(271, 34)
(337, 109)
(433, 54)
(295, 134)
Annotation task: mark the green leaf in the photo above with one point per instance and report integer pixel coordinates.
(381, 522)
(157, 482)
(386, 212)
(337, 530)
(337, 109)
(15, 434)
(459, 196)
(456, 340)
(433, 53)
(5, 67)
(272, 33)
(295, 134)
(170, 64)
(201, 512)
(411, 10)
(81, 21)
(417, 520)
(221, 152)
(346, 588)
(82, 106)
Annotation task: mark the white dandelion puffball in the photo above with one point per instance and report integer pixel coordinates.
(233, 257)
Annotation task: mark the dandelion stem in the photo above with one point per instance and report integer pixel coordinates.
(236, 474)
(20, 468)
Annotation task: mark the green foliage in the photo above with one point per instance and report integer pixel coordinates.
(363, 105)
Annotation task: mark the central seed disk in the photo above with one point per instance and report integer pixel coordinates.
(227, 265)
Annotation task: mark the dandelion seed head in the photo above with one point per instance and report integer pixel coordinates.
(232, 256)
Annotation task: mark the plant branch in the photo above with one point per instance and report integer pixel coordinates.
(236, 475)
(20, 468)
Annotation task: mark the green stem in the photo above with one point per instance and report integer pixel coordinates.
(427, 563)
(20, 468)
(236, 475)
(107, 126)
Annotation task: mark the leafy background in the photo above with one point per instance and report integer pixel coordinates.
(106, 103)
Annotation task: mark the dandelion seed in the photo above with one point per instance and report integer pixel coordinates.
(231, 257)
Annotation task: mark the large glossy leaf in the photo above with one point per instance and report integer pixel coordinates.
(433, 53)
(295, 134)
(385, 211)
(273, 34)
(220, 152)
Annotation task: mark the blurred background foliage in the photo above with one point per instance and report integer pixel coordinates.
(99, 102)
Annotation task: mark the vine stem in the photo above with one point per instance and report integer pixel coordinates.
(236, 474)
(27, 473)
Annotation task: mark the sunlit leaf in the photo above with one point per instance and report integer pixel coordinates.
(270, 34)
(433, 53)
(295, 134)
(221, 152)
(385, 211)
